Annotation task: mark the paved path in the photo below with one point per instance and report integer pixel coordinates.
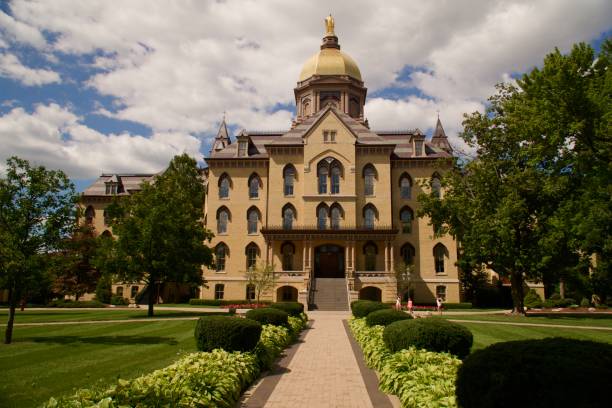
(323, 372)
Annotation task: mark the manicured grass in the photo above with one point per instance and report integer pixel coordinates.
(599, 321)
(46, 361)
(486, 334)
(60, 315)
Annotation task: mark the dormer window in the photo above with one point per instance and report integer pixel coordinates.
(329, 136)
(112, 188)
(242, 148)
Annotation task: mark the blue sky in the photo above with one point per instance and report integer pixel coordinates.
(97, 86)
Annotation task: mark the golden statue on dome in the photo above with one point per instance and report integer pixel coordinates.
(329, 25)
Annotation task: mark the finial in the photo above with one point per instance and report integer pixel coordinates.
(329, 25)
(438, 113)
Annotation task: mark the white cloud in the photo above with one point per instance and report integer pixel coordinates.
(54, 136)
(11, 67)
(20, 32)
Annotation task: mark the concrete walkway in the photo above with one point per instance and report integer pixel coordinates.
(323, 372)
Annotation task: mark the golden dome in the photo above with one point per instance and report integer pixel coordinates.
(330, 61)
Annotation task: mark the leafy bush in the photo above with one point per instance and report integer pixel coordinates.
(206, 379)
(585, 302)
(227, 333)
(552, 372)
(119, 300)
(385, 317)
(104, 289)
(221, 302)
(602, 306)
(419, 378)
(556, 301)
(463, 305)
(431, 334)
(361, 308)
(71, 304)
(532, 300)
(292, 308)
(268, 315)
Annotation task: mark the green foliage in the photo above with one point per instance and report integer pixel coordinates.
(227, 333)
(292, 308)
(205, 379)
(222, 302)
(385, 317)
(419, 378)
(269, 315)
(37, 214)
(119, 300)
(160, 230)
(552, 372)
(533, 300)
(585, 303)
(361, 308)
(433, 334)
(452, 306)
(104, 289)
(71, 304)
(262, 277)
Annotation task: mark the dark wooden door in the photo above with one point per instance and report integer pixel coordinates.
(329, 261)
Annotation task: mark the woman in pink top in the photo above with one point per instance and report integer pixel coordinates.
(410, 305)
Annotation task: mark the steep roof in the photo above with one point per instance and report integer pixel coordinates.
(128, 183)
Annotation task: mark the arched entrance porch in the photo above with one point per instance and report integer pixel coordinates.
(329, 261)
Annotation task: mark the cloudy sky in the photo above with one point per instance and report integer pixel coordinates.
(109, 86)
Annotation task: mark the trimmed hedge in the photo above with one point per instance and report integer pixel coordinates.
(385, 317)
(222, 302)
(268, 315)
(71, 304)
(362, 308)
(532, 300)
(552, 372)
(292, 308)
(226, 332)
(433, 334)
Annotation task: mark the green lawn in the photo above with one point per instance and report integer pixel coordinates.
(59, 315)
(46, 361)
(601, 321)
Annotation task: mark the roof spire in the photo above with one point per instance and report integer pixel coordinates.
(329, 25)
(330, 40)
(222, 139)
(439, 138)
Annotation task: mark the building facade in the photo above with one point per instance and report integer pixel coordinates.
(329, 198)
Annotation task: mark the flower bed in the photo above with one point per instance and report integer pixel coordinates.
(204, 379)
(419, 378)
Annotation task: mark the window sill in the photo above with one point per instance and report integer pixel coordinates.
(252, 234)
(289, 196)
(221, 272)
(224, 198)
(254, 198)
(221, 234)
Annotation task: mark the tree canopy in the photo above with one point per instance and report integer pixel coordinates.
(37, 213)
(160, 233)
(536, 199)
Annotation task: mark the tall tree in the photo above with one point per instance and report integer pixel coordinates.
(37, 212)
(539, 185)
(160, 231)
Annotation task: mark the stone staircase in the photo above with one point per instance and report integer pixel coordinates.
(330, 294)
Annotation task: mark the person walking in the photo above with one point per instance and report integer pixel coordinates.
(398, 304)
(410, 305)
(439, 305)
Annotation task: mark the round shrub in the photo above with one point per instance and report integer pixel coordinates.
(292, 308)
(385, 317)
(532, 300)
(362, 308)
(433, 334)
(268, 315)
(585, 302)
(552, 372)
(227, 333)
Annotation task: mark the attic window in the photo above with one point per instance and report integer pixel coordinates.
(329, 136)
(112, 188)
(242, 148)
(418, 147)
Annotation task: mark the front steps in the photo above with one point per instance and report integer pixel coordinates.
(330, 294)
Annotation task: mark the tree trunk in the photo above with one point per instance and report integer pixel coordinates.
(8, 335)
(152, 296)
(562, 288)
(516, 280)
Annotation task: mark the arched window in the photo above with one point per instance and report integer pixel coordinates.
(252, 252)
(90, 214)
(223, 217)
(369, 216)
(253, 216)
(106, 218)
(288, 250)
(288, 216)
(408, 253)
(406, 217)
(441, 292)
(336, 215)
(224, 186)
(286, 294)
(436, 185)
(119, 291)
(370, 250)
(221, 252)
(219, 291)
(405, 186)
(369, 177)
(322, 172)
(335, 178)
(254, 185)
(288, 178)
(106, 234)
(322, 212)
(250, 292)
(440, 252)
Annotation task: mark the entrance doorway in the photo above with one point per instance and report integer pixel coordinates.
(329, 261)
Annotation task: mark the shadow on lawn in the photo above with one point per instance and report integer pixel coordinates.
(109, 340)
